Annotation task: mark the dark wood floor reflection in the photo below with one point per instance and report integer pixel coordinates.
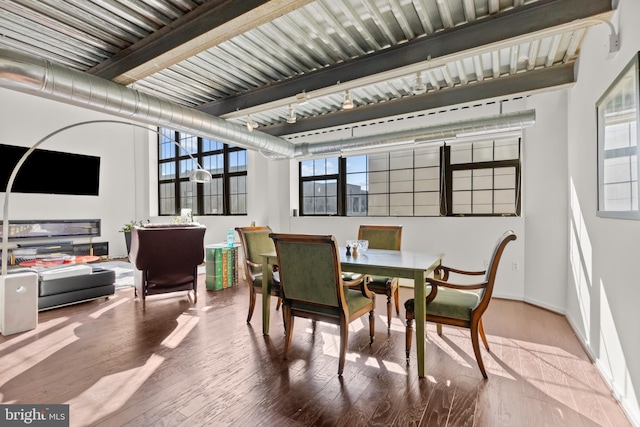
(179, 364)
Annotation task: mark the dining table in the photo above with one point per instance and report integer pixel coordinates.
(416, 265)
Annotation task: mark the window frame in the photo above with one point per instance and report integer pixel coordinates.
(446, 170)
(631, 151)
(180, 154)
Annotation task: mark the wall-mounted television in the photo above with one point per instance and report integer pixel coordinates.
(50, 172)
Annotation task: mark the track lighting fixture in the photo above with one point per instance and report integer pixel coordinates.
(348, 103)
(291, 117)
(251, 125)
(302, 98)
(419, 87)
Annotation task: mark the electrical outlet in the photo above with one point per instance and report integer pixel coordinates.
(515, 266)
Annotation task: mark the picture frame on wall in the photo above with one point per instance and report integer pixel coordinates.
(618, 168)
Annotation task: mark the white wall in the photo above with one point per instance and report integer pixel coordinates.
(602, 285)
(26, 119)
(545, 201)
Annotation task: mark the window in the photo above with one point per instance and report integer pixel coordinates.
(618, 190)
(475, 178)
(319, 186)
(226, 194)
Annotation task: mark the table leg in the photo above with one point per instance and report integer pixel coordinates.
(420, 310)
(266, 297)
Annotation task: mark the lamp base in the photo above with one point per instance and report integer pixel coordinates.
(18, 303)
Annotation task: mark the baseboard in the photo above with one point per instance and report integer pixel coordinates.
(632, 415)
(546, 306)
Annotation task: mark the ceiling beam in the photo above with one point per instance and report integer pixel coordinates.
(517, 22)
(521, 83)
(200, 29)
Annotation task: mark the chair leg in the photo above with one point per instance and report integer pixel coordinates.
(482, 335)
(439, 328)
(289, 331)
(279, 303)
(372, 326)
(252, 303)
(409, 329)
(476, 348)
(284, 318)
(396, 297)
(389, 310)
(408, 336)
(344, 338)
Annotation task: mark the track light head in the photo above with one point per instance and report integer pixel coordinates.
(291, 117)
(347, 104)
(419, 87)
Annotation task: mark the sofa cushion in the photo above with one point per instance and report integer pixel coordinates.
(67, 271)
(69, 284)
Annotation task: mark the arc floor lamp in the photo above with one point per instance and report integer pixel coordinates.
(23, 283)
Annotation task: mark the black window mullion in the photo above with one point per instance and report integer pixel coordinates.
(446, 203)
(342, 186)
(226, 183)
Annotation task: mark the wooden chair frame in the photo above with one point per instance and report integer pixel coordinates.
(392, 285)
(339, 315)
(474, 324)
(251, 277)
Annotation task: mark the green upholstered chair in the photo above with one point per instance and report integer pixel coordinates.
(255, 240)
(460, 304)
(312, 287)
(383, 237)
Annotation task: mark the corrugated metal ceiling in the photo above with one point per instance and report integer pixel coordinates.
(316, 35)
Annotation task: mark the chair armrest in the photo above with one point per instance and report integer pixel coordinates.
(436, 282)
(355, 284)
(253, 264)
(443, 272)
(360, 285)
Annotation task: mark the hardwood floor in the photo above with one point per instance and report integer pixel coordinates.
(179, 364)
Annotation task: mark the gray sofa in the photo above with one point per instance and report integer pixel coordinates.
(72, 284)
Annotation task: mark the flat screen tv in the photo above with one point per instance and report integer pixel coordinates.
(50, 172)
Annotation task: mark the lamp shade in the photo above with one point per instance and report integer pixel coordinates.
(199, 175)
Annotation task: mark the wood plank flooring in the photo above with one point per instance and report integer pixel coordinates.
(179, 364)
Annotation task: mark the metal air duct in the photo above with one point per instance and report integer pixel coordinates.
(448, 131)
(37, 76)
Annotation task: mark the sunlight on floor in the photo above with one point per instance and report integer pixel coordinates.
(111, 392)
(42, 327)
(32, 354)
(186, 323)
(96, 314)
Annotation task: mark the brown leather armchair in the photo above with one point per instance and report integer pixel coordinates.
(167, 258)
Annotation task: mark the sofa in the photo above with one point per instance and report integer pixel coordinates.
(71, 284)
